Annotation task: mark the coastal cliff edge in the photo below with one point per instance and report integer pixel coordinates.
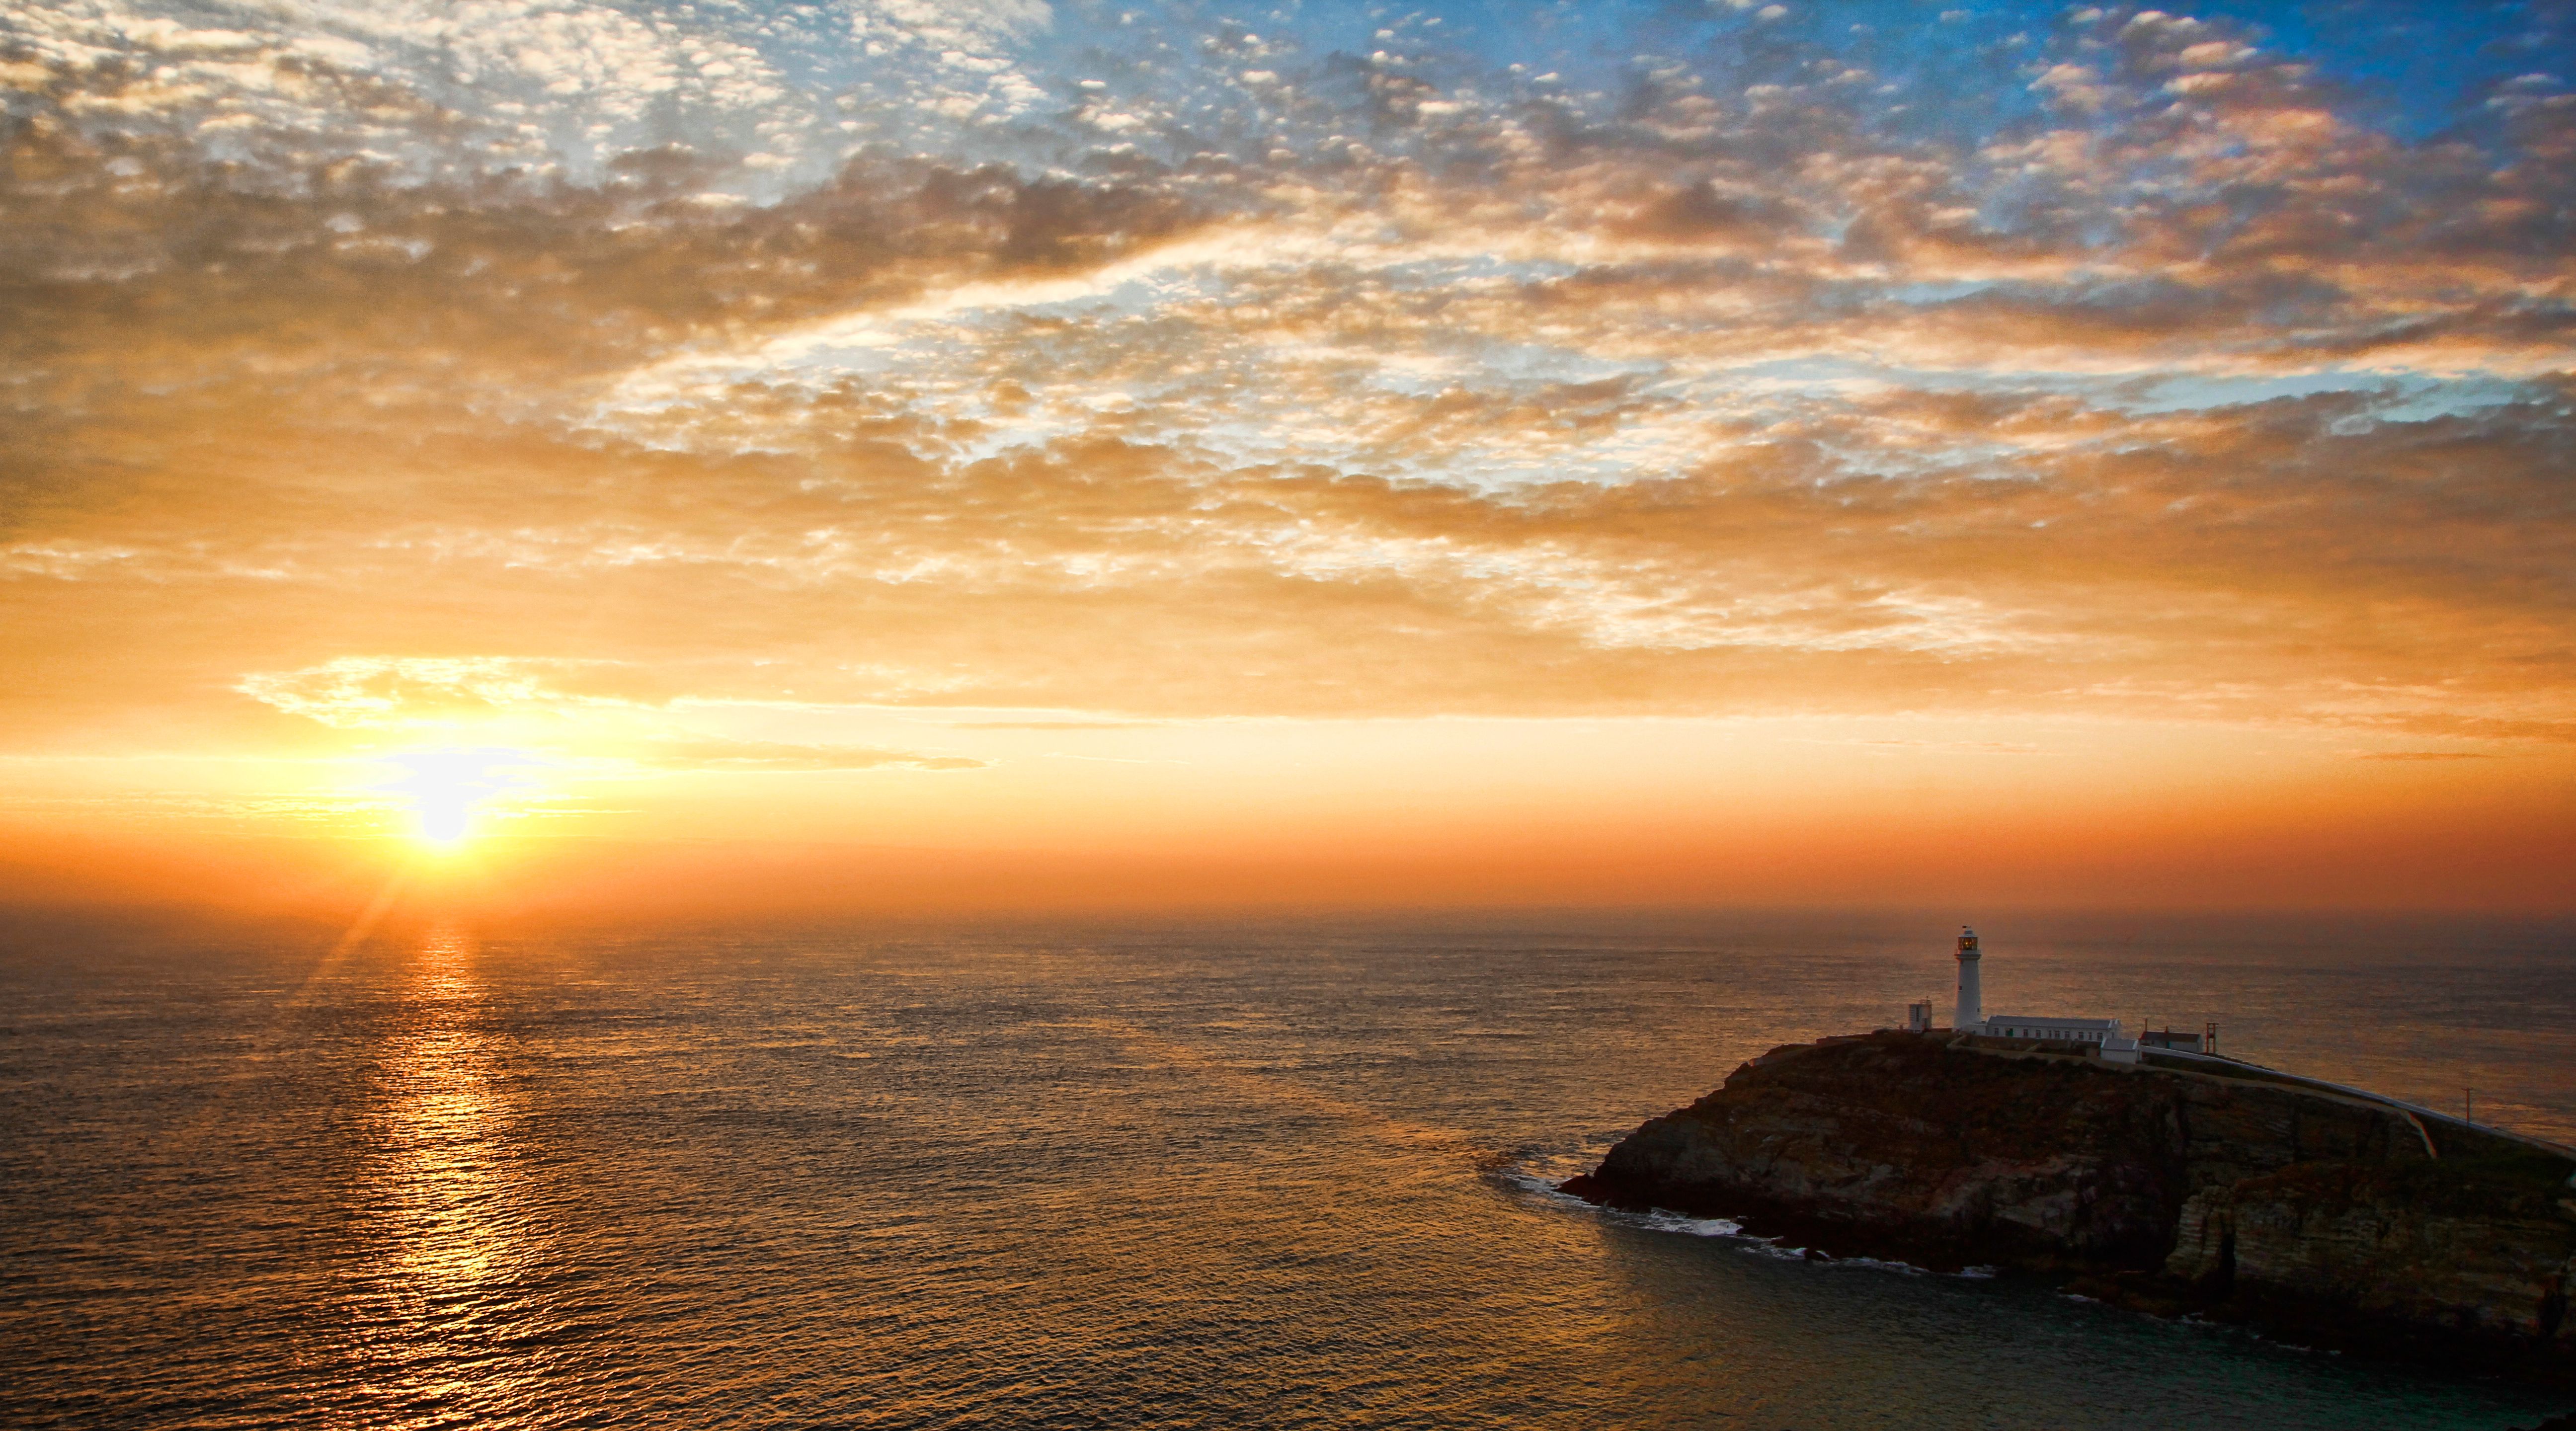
(2331, 1220)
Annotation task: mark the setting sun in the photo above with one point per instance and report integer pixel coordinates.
(448, 790)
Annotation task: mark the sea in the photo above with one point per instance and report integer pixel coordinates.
(1295, 1173)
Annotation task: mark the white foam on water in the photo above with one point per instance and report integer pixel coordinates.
(1662, 1221)
(1882, 1264)
(1524, 1173)
(1539, 1173)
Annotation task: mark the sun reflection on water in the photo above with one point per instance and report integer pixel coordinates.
(447, 1201)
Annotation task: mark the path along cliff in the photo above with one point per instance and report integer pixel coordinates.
(2234, 1194)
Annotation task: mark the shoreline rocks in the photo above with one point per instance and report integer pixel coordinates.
(2331, 1220)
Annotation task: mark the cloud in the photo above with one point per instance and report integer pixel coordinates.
(362, 692)
(1089, 374)
(1050, 725)
(763, 756)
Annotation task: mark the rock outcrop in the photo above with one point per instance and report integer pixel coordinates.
(2335, 1219)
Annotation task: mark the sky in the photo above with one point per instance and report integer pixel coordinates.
(921, 455)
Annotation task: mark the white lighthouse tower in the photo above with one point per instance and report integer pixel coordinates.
(1972, 1001)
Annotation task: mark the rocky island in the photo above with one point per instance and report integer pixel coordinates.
(2218, 1188)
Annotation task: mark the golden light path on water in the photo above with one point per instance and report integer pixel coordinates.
(451, 1209)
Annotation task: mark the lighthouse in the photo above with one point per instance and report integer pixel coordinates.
(1972, 1002)
(2048, 1033)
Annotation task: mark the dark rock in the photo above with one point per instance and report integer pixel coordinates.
(2331, 1219)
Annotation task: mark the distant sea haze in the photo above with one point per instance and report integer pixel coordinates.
(1285, 1175)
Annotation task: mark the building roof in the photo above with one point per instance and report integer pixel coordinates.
(2052, 1020)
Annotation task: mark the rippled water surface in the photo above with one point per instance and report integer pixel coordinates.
(1269, 1177)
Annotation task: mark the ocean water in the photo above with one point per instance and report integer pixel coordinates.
(1291, 1176)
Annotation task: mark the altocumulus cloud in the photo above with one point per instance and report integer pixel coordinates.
(390, 364)
(783, 758)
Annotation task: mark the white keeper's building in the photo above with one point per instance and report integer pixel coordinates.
(2055, 1029)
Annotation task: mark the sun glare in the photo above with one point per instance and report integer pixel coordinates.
(449, 791)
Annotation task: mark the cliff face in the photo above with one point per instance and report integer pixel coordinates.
(2448, 1250)
(2265, 1202)
(1893, 1145)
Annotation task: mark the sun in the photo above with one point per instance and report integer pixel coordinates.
(449, 790)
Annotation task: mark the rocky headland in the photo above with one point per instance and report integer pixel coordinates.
(2234, 1194)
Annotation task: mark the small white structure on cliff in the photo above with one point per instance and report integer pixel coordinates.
(2105, 1035)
